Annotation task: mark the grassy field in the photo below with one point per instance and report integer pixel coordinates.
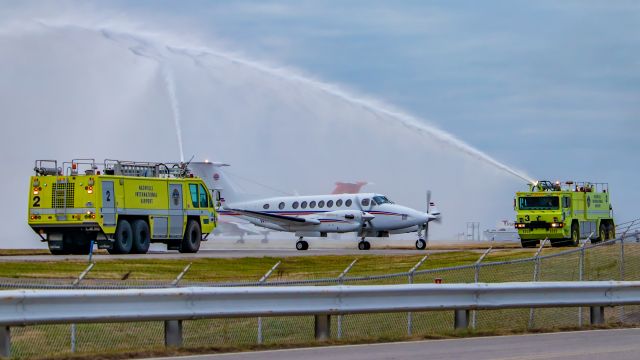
(248, 269)
(116, 339)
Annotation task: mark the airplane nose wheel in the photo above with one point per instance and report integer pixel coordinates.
(421, 244)
(364, 245)
(302, 245)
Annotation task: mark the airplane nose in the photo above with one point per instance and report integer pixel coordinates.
(367, 216)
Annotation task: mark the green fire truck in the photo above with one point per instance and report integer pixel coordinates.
(564, 213)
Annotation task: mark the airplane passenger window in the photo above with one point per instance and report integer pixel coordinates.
(294, 205)
(303, 205)
(265, 206)
(339, 202)
(281, 206)
(321, 203)
(330, 203)
(312, 204)
(348, 202)
(365, 202)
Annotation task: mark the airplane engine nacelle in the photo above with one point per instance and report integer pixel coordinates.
(339, 221)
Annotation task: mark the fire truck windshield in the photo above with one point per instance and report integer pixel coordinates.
(539, 202)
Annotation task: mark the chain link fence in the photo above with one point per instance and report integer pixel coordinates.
(617, 259)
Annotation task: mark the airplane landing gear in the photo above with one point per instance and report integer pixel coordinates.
(421, 244)
(364, 245)
(302, 245)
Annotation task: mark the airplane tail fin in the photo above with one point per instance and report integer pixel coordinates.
(216, 179)
(348, 187)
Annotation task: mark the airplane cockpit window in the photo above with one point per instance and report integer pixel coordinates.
(265, 206)
(339, 202)
(381, 200)
(330, 203)
(312, 204)
(303, 205)
(281, 206)
(348, 202)
(294, 205)
(321, 203)
(365, 202)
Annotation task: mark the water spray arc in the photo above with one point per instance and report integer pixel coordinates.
(167, 76)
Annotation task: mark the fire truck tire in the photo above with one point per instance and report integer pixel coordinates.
(141, 237)
(63, 251)
(575, 235)
(611, 230)
(191, 241)
(123, 241)
(529, 243)
(602, 233)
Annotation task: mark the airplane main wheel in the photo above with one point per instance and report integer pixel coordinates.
(302, 245)
(421, 244)
(364, 245)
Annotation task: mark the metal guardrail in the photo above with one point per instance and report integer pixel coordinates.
(30, 307)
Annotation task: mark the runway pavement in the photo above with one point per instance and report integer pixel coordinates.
(619, 344)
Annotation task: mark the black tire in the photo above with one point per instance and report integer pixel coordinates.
(123, 241)
(141, 237)
(367, 245)
(63, 251)
(530, 243)
(192, 236)
(421, 244)
(302, 245)
(602, 233)
(362, 245)
(575, 235)
(611, 230)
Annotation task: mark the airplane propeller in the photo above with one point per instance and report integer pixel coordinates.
(431, 217)
(366, 216)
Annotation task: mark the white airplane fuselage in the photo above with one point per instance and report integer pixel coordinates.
(337, 213)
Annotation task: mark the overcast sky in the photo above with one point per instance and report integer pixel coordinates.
(551, 87)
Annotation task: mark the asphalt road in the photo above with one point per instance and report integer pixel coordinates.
(619, 344)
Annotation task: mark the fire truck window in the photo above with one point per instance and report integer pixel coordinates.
(193, 189)
(566, 202)
(204, 201)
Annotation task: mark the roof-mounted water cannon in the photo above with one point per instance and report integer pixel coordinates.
(42, 170)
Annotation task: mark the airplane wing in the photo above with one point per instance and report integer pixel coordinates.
(277, 219)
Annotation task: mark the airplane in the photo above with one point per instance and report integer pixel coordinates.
(229, 225)
(367, 214)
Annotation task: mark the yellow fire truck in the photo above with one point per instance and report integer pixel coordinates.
(564, 214)
(122, 206)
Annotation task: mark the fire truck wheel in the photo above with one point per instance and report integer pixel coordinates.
(123, 238)
(141, 237)
(191, 241)
(575, 235)
(602, 234)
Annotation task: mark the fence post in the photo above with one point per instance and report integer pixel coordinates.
(410, 274)
(340, 277)
(5, 341)
(536, 270)
(75, 283)
(178, 278)
(622, 272)
(477, 279)
(262, 281)
(581, 273)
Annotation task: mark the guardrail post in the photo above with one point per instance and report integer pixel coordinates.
(597, 315)
(411, 272)
(322, 327)
(340, 278)
(477, 279)
(536, 275)
(461, 319)
(261, 281)
(173, 333)
(5, 341)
